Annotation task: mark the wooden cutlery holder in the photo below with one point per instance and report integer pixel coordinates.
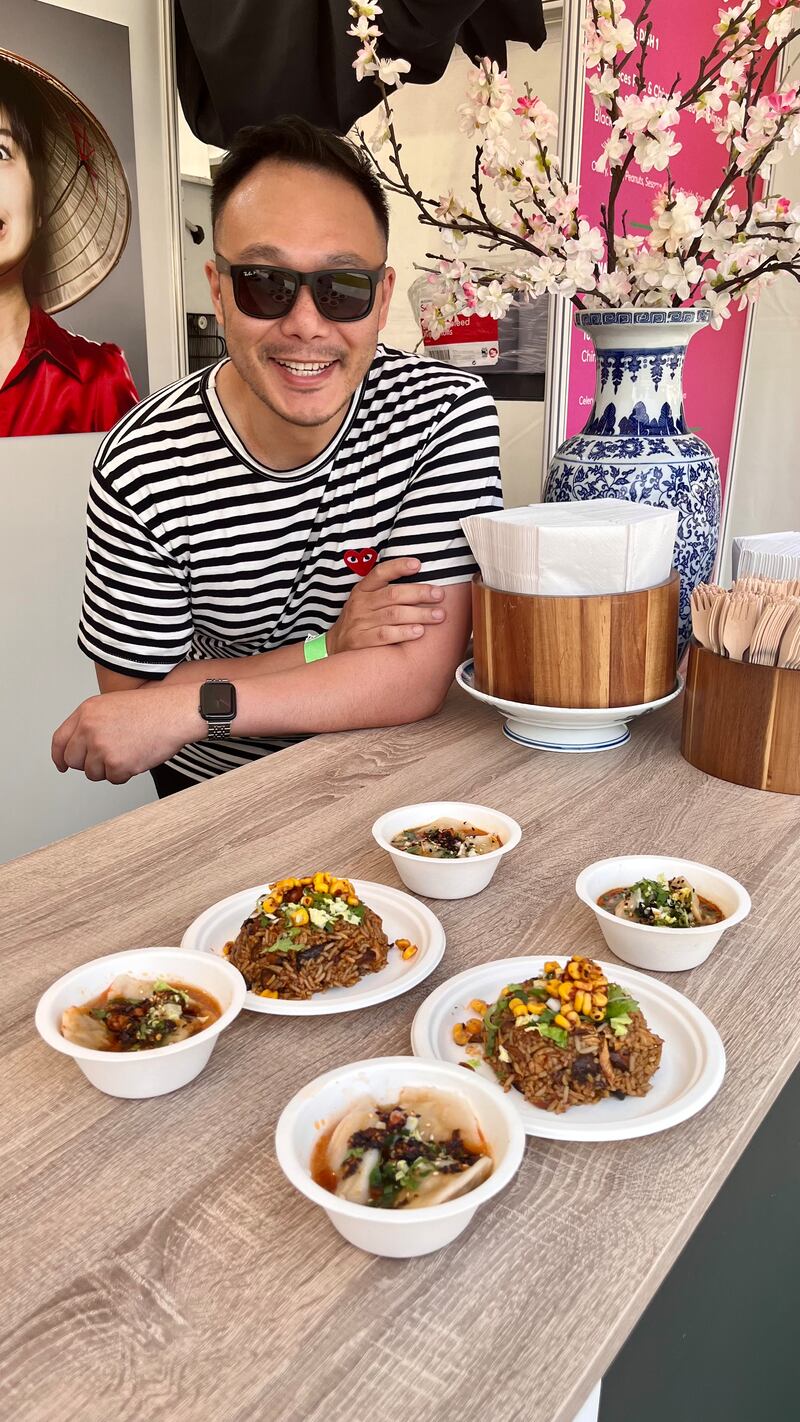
(612, 649)
(741, 722)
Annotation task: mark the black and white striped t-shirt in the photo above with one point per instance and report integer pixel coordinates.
(195, 550)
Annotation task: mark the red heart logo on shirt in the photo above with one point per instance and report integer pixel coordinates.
(360, 560)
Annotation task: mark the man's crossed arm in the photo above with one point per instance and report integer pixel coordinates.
(394, 650)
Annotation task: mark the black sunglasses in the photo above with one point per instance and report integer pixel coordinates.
(341, 294)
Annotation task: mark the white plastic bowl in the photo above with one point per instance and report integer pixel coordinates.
(161, 1069)
(446, 878)
(663, 950)
(396, 1234)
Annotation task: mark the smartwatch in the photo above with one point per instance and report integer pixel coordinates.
(218, 707)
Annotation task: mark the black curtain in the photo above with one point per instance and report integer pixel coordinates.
(248, 61)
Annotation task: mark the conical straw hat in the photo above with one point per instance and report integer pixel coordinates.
(86, 200)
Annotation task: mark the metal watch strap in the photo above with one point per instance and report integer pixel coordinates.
(219, 730)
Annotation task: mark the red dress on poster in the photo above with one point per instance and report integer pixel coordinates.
(64, 384)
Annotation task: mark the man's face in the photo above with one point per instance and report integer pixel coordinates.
(289, 216)
(17, 200)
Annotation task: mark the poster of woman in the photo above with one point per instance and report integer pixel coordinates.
(65, 214)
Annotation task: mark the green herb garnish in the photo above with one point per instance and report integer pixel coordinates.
(620, 1003)
(656, 902)
(161, 985)
(559, 1035)
(620, 1006)
(619, 1025)
(491, 1020)
(284, 944)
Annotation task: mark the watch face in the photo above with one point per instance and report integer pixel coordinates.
(218, 699)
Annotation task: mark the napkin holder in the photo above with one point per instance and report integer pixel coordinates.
(741, 721)
(603, 650)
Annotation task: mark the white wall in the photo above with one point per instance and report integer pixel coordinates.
(196, 207)
(765, 493)
(44, 483)
(45, 676)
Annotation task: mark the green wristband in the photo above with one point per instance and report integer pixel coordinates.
(316, 648)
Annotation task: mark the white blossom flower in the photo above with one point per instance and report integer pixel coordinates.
(363, 30)
(454, 239)
(671, 276)
(365, 62)
(389, 71)
(381, 133)
(588, 243)
(543, 122)
(602, 87)
(674, 221)
(579, 275)
(450, 208)
(736, 23)
(613, 151)
(433, 321)
(491, 300)
(615, 286)
(719, 301)
(779, 25)
(654, 150)
(733, 74)
(607, 38)
(751, 145)
(720, 233)
(708, 104)
(544, 274)
(364, 10)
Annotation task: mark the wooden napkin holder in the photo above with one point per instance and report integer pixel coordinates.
(742, 722)
(610, 649)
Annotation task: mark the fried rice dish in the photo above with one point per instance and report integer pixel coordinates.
(568, 1038)
(306, 935)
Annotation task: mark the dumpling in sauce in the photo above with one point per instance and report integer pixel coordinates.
(422, 1150)
(446, 839)
(135, 1014)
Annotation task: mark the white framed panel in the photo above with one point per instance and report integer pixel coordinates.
(45, 482)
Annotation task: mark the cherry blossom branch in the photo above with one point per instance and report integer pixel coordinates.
(710, 249)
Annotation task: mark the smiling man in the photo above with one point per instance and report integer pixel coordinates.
(274, 546)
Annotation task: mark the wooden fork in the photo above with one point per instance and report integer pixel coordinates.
(741, 618)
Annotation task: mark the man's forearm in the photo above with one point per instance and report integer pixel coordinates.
(237, 668)
(353, 690)
(139, 726)
(385, 687)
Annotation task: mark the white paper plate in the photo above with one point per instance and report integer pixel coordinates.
(692, 1060)
(402, 916)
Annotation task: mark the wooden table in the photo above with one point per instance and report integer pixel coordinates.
(156, 1262)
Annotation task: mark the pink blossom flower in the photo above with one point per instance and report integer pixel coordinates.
(783, 100)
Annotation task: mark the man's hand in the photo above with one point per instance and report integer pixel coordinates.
(116, 737)
(380, 611)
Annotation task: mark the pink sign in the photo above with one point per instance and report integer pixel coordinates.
(713, 359)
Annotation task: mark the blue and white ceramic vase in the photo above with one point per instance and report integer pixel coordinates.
(636, 444)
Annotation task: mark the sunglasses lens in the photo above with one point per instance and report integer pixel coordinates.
(343, 296)
(264, 294)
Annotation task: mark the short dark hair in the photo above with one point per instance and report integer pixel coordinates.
(292, 139)
(22, 103)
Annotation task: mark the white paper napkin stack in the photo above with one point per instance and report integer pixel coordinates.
(767, 555)
(574, 549)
